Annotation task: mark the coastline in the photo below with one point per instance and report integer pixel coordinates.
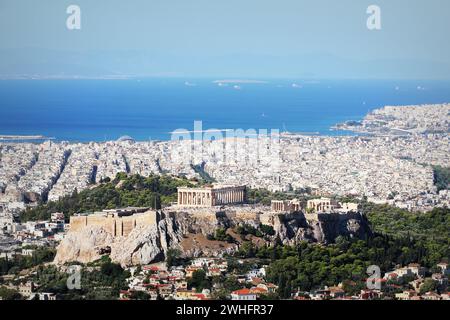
(150, 109)
(24, 137)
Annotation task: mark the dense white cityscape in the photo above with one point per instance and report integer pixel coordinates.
(385, 166)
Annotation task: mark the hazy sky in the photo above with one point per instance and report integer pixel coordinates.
(242, 38)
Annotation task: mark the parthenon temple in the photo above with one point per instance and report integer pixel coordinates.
(211, 196)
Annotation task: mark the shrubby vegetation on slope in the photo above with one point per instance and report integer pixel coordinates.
(396, 222)
(100, 280)
(400, 238)
(135, 191)
(15, 265)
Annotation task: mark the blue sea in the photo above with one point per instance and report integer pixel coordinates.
(149, 109)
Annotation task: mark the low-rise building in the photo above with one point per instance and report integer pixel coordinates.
(243, 295)
(406, 295)
(42, 296)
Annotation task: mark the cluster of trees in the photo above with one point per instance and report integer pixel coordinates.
(199, 280)
(9, 294)
(310, 266)
(18, 263)
(174, 258)
(223, 284)
(394, 221)
(105, 283)
(400, 238)
(441, 177)
(429, 230)
(243, 230)
(261, 231)
(220, 235)
(101, 280)
(50, 279)
(153, 191)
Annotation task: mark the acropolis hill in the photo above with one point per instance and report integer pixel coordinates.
(141, 235)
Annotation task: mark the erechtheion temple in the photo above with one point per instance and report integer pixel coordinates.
(293, 205)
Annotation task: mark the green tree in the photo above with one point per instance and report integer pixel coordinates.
(173, 257)
(428, 285)
(199, 280)
(139, 295)
(441, 177)
(9, 294)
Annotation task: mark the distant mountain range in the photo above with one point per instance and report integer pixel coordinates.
(46, 63)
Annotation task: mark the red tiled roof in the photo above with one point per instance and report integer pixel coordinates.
(193, 268)
(258, 290)
(151, 268)
(414, 265)
(257, 280)
(244, 291)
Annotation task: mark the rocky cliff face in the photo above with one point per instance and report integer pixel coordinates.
(84, 246)
(181, 230)
(143, 245)
(322, 228)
